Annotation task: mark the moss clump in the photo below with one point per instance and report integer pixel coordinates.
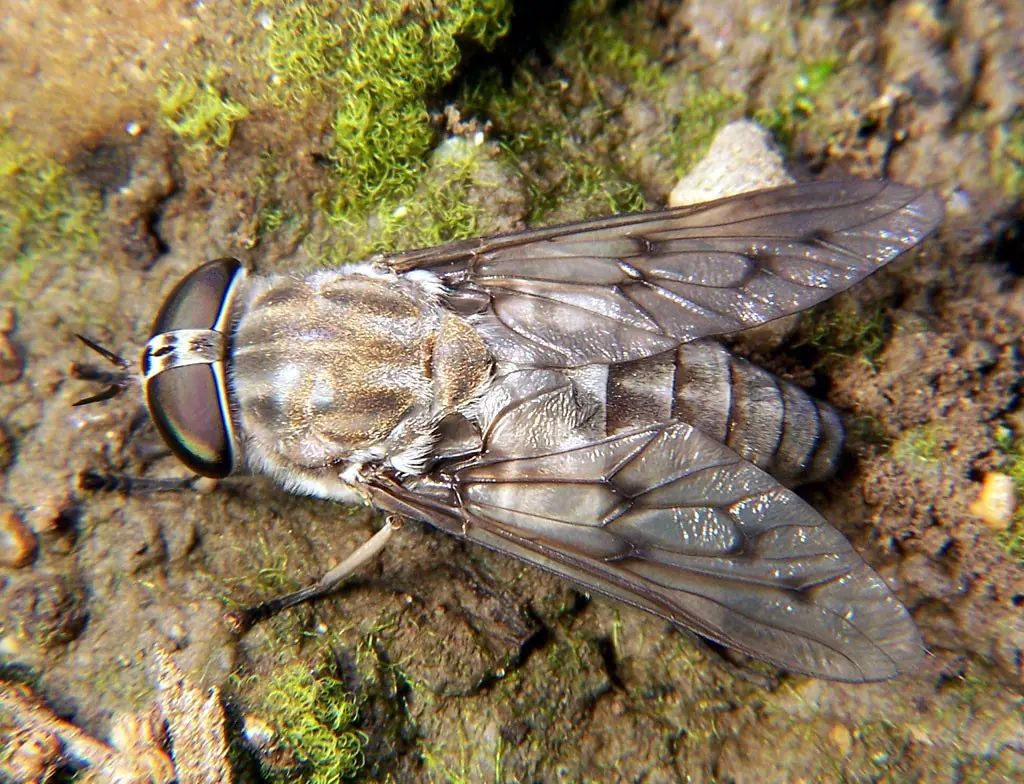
(43, 211)
(797, 106)
(923, 444)
(570, 134)
(1007, 161)
(199, 112)
(444, 206)
(462, 764)
(845, 329)
(1012, 464)
(702, 114)
(378, 62)
(440, 210)
(566, 176)
(315, 716)
(694, 113)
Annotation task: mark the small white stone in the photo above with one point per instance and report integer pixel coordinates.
(258, 732)
(959, 202)
(204, 485)
(997, 501)
(265, 20)
(742, 157)
(17, 541)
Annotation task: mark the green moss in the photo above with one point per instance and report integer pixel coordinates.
(693, 114)
(569, 134)
(304, 49)
(44, 212)
(271, 218)
(1007, 161)
(461, 765)
(702, 114)
(797, 106)
(441, 210)
(199, 112)
(378, 62)
(923, 444)
(542, 135)
(445, 205)
(315, 718)
(885, 751)
(845, 329)
(1012, 464)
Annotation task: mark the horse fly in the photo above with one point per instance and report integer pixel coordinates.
(556, 395)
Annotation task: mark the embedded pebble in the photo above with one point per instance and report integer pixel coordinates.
(258, 732)
(10, 360)
(841, 738)
(265, 742)
(997, 501)
(45, 608)
(131, 730)
(141, 740)
(743, 157)
(48, 514)
(6, 449)
(34, 756)
(17, 541)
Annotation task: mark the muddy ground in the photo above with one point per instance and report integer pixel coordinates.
(465, 665)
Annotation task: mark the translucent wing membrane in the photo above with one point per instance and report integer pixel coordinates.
(667, 519)
(565, 408)
(625, 287)
(658, 512)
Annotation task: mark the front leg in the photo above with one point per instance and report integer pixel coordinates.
(241, 621)
(141, 485)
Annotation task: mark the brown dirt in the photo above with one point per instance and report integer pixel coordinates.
(472, 667)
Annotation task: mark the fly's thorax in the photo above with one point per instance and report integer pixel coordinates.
(348, 366)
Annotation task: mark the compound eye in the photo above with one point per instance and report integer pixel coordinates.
(183, 366)
(197, 301)
(186, 407)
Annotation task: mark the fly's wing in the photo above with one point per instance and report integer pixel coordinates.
(629, 286)
(669, 520)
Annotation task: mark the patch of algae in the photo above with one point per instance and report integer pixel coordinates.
(1007, 159)
(379, 62)
(315, 718)
(921, 445)
(797, 108)
(563, 131)
(846, 329)
(198, 111)
(44, 212)
(1012, 539)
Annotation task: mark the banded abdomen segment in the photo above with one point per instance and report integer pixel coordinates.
(774, 424)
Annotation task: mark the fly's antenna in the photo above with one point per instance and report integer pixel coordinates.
(116, 381)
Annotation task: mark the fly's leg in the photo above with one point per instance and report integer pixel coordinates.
(141, 485)
(243, 620)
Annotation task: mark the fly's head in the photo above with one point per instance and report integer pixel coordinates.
(182, 369)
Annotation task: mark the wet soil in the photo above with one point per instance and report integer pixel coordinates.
(468, 666)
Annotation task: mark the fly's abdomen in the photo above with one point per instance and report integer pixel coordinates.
(770, 422)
